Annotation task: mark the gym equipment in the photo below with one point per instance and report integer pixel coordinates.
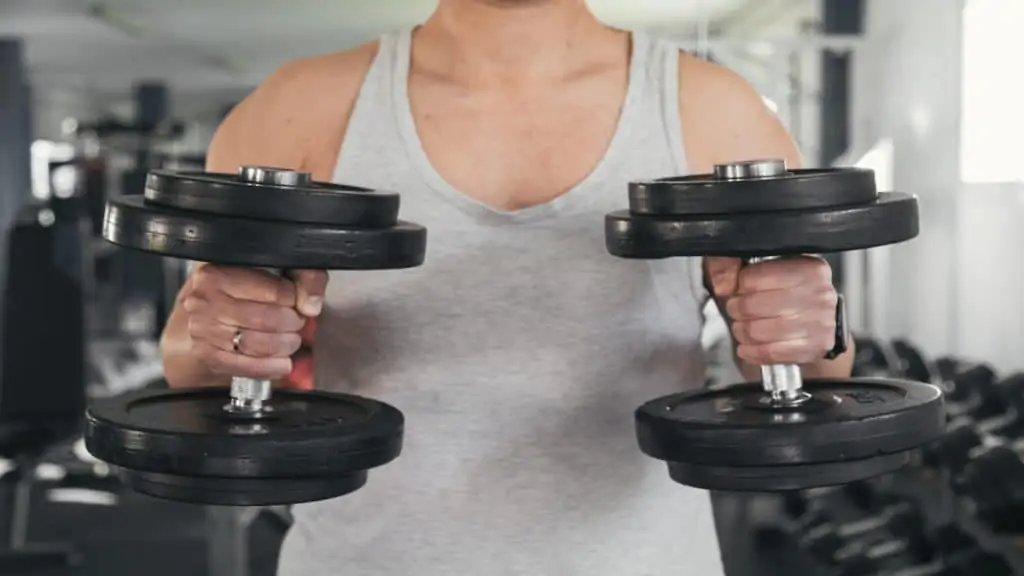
(42, 371)
(795, 190)
(874, 359)
(864, 494)
(952, 451)
(914, 364)
(971, 562)
(870, 558)
(249, 447)
(785, 433)
(967, 381)
(966, 433)
(994, 481)
(825, 540)
(314, 203)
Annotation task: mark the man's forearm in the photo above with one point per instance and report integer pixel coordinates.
(839, 367)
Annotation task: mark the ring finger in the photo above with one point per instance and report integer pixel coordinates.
(247, 342)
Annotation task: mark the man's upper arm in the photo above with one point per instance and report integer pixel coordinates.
(296, 118)
(725, 120)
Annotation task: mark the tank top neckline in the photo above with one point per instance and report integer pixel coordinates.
(399, 47)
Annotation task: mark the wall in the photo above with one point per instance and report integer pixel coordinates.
(953, 289)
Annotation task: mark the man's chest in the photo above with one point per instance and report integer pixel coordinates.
(515, 152)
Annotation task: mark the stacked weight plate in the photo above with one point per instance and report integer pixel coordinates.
(785, 433)
(250, 446)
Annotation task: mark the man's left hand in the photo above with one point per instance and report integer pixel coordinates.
(781, 311)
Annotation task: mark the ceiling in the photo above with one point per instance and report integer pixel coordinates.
(210, 46)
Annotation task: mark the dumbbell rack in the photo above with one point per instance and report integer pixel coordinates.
(940, 504)
(929, 487)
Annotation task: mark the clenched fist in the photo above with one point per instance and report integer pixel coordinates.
(781, 311)
(244, 322)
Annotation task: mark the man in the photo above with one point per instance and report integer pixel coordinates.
(520, 349)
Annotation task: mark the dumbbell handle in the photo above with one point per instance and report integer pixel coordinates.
(249, 395)
(783, 382)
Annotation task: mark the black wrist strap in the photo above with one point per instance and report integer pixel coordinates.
(842, 331)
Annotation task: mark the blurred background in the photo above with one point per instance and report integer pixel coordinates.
(95, 94)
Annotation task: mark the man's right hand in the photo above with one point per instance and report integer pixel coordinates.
(263, 313)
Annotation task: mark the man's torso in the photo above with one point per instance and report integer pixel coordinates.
(520, 349)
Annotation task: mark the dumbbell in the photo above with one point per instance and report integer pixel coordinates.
(931, 547)
(874, 358)
(964, 383)
(965, 434)
(972, 562)
(994, 482)
(864, 494)
(785, 433)
(913, 363)
(251, 445)
(826, 540)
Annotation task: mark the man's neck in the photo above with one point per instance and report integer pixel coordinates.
(501, 41)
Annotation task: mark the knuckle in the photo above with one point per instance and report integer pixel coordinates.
(773, 355)
(274, 291)
(264, 318)
(830, 299)
(763, 331)
(192, 303)
(207, 277)
(741, 332)
(195, 328)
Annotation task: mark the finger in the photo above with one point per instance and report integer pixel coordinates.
(251, 343)
(722, 275)
(782, 303)
(820, 331)
(245, 314)
(308, 331)
(310, 286)
(799, 351)
(230, 364)
(784, 273)
(244, 284)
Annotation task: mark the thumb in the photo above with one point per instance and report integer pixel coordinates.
(722, 275)
(310, 286)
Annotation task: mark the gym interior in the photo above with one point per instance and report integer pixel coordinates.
(98, 97)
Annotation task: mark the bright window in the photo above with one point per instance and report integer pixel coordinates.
(993, 90)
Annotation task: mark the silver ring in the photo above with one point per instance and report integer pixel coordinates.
(236, 342)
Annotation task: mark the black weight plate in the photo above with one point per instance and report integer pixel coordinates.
(844, 420)
(892, 218)
(241, 492)
(796, 190)
(133, 223)
(313, 203)
(187, 433)
(784, 478)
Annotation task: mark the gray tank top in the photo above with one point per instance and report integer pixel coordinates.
(517, 353)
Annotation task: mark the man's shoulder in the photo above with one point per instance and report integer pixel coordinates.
(725, 118)
(300, 110)
(304, 77)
